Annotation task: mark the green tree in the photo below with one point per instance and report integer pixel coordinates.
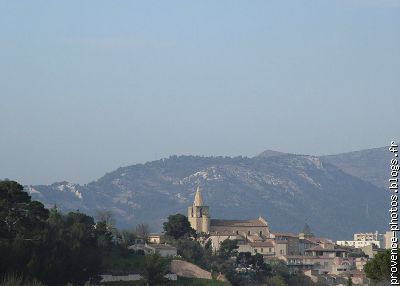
(243, 259)
(154, 269)
(279, 268)
(43, 244)
(277, 281)
(378, 268)
(228, 248)
(104, 235)
(125, 238)
(192, 251)
(85, 257)
(22, 229)
(349, 282)
(178, 226)
(258, 263)
(18, 214)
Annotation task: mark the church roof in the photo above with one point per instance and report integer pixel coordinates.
(237, 223)
(198, 199)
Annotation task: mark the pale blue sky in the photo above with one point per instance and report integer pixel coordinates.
(89, 86)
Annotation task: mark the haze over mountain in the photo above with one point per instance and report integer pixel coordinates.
(372, 165)
(286, 189)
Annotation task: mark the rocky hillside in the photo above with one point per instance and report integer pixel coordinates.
(371, 165)
(286, 189)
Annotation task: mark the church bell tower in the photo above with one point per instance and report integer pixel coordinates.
(198, 214)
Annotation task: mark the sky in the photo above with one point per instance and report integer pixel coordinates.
(90, 86)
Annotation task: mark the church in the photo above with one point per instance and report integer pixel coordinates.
(221, 229)
(300, 252)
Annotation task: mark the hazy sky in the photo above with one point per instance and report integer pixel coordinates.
(89, 86)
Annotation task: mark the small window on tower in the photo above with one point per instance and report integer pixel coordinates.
(201, 212)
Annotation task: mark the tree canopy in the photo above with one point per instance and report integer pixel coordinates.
(154, 269)
(378, 268)
(178, 226)
(228, 248)
(53, 248)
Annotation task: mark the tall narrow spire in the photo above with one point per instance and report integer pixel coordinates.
(198, 200)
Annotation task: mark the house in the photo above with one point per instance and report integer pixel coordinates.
(364, 239)
(265, 248)
(154, 238)
(290, 239)
(388, 239)
(320, 251)
(372, 250)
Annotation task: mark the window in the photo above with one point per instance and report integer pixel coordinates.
(201, 212)
(248, 232)
(260, 233)
(262, 249)
(237, 232)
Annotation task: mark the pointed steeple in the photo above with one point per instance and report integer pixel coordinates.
(198, 200)
(306, 229)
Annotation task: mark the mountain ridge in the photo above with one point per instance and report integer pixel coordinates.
(286, 189)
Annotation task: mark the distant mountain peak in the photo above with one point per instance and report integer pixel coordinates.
(271, 153)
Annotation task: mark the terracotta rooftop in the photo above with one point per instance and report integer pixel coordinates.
(308, 240)
(287, 234)
(238, 223)
(281, 242)
(319, 248)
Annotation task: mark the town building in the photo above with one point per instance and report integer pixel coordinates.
(361, 240)
(221, 229)
(300, 252)
(368, 236)
(154, 238)
(357, 243)
(388, 240)
(372, 250)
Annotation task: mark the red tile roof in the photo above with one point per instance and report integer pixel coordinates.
(319, 248)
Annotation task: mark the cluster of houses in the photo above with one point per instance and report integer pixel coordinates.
(319, 258)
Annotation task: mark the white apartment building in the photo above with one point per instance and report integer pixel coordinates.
(364, 239)
(368, 236)
(358, 243)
